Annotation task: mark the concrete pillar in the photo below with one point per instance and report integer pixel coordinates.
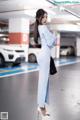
(19, 33)
(57, 51)
(78, 46)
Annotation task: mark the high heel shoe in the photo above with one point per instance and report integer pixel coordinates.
(43, 114)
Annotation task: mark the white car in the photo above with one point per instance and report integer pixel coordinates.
(11, 54)
(66, 50)
(34, 51)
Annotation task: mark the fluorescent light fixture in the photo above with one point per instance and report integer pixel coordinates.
(62, 8)
(65, 9)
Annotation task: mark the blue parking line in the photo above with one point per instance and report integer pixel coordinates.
(29, 67)
(62, 62)
(18, 69)
(14, 72)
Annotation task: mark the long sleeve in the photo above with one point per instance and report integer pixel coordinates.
(47, 35)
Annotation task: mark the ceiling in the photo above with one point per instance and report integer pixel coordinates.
(59, 14)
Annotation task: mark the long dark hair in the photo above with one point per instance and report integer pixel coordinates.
(39, 15)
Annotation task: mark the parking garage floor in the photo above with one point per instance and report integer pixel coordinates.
(18, 91)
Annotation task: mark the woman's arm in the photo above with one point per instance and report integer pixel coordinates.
(49, 37)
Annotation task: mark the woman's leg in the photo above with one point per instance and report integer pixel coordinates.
(47, 94)
(43, 85)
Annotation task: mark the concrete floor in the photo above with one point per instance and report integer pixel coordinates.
(18, 95)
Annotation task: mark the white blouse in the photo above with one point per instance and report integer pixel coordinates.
(47, 38)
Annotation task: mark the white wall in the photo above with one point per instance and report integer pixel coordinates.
(68, 41)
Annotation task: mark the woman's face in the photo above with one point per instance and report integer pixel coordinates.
(44, 19)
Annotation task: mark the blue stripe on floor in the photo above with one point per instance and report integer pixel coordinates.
(18, 69)
(29, 67)
(62, 62)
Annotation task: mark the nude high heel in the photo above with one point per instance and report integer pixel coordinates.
(43, 114)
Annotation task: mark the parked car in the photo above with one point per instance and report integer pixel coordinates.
(67, 51)
(33, 52)
(11, 54)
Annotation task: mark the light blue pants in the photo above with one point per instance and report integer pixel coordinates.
(43, 83)
(43, 96)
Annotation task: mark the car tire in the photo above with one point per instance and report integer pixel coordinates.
(2, 62)
(15, 64)
(32, 58)
(68, 53)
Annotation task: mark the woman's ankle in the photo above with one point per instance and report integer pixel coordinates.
(43, 110)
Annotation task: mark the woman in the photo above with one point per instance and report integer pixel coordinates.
(47, 42)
